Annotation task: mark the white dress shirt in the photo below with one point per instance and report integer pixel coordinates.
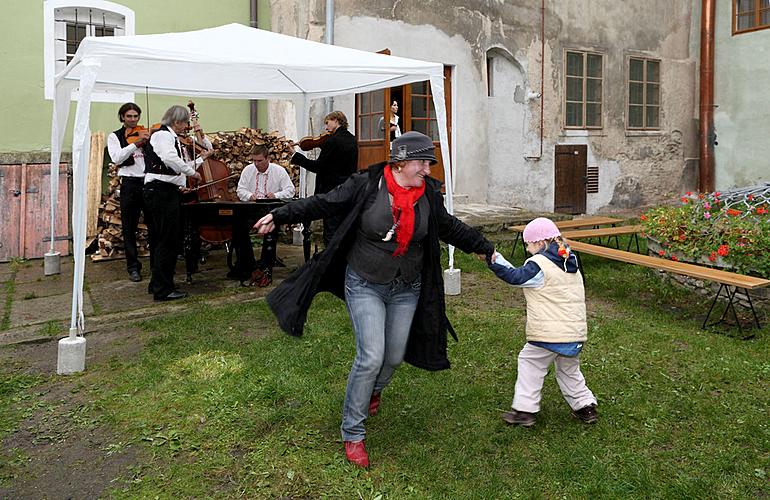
(118, 155)
(164, 143)
(274, 180)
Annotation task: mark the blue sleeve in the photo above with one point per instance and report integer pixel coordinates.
(527, 276)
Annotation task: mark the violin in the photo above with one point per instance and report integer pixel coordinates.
(132, 134)
(311, 142)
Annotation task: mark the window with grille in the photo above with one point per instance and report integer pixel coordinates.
(67, 23)
(583, 77)
(750, 15)
(643, 94)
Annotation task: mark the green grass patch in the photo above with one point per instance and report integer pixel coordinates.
(226, 405)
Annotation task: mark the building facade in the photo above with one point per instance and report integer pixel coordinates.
(553, 106)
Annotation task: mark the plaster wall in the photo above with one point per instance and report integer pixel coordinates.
(496, 140)
(741, 122)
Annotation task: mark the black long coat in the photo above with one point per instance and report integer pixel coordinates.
(290, 301)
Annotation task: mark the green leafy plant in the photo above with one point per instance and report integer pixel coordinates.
(733, 233)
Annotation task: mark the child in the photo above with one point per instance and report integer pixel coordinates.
(556, 323)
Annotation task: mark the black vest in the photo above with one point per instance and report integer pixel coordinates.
(121, 135)
(152, 162)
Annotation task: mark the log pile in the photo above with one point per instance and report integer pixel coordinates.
(232, 148)
(110, 236)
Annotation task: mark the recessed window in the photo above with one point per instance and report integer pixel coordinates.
(67, 23)
(583, 77)
(643, 94)
(750, 15)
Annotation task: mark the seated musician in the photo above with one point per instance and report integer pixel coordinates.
(259, 180)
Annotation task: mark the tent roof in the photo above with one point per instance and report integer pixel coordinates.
(238, 62)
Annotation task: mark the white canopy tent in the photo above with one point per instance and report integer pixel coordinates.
(229, 62)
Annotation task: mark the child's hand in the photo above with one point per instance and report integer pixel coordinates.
(500, 260)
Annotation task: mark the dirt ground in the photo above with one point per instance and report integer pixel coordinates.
(67, 451)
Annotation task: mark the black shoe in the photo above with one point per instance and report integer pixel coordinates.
(135, 276)
(521, 418)
(586, 414)
(172, 296)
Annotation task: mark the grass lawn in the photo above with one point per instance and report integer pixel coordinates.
(221, 403)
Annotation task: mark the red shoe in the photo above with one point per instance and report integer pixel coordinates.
(374, 403)
(356, 453)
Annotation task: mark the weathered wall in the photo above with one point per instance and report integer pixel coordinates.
(741, 77)
(492, 136)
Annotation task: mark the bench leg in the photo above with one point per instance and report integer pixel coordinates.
(730, 293)
(633, 238)
(515, 242)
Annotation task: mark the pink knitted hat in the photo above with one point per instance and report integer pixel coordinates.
(540, 229)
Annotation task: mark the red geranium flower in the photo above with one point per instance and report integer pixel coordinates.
(673, 257)
(723, 250)
(733, 212)
(661, 253)
(713, 256)
(643, 217)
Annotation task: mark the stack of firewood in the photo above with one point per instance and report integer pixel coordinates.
(110, 237)
(233, 148)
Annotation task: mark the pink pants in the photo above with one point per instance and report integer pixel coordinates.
(533, 367)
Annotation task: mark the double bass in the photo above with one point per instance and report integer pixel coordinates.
(213, 184)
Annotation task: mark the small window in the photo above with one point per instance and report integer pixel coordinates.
(370, 120)
(67, 23)
(643, 94)
(583, 90)
(750, 15)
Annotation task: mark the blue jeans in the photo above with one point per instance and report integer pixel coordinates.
(382, 316)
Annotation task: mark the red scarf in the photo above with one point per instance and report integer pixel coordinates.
(403, 210)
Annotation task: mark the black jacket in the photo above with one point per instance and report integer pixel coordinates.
(290, 301)
(338, 159)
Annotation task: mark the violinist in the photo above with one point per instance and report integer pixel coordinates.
(259, 180)
(125, 149)
(165, 174)
(337, 161)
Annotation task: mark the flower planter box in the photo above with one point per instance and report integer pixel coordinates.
(760, 297)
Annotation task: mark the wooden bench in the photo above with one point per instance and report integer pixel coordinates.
(593, 221)
(730, 282)
(609, 232)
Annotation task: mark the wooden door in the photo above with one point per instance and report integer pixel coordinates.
(25, 228)
(370, 127)
(570, 179)
(419, 114)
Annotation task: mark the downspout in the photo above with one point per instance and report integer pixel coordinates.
(707, 134)
(329, 39)
(254, 23)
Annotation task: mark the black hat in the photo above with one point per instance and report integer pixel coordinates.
(412, 146)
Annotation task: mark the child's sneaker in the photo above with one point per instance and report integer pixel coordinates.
(586, 414)
(521, 418)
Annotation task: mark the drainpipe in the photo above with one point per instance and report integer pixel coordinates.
(329, 39)
(706, 115)
(254, 23)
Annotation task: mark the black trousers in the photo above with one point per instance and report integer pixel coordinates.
(131, 206)
(162, 201)
(244, 252)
